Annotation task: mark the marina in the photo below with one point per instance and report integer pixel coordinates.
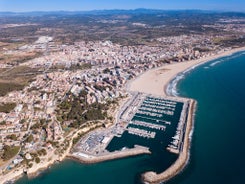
(147, 121)
(141, 133)
(176, 144)
(149, 125)
(158, 120)
(162, 161)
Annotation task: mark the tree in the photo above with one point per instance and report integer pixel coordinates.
(9, 152)
(107, 70)
(3, 123)
(12, 137)
(29, 138)
(42, 121)
(22, 121)
(37, 160)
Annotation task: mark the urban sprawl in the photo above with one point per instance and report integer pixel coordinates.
(43, 124)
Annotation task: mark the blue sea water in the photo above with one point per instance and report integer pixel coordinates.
(217, 151)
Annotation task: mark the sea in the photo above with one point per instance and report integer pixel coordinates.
(217, 154)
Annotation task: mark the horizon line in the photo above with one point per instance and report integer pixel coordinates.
(117, 9)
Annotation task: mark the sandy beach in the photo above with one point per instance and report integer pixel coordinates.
(152, 82)
(156, 80)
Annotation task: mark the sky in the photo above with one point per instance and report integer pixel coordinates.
(84, 5)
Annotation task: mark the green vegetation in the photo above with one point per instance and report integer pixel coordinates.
(29, 139)
(12, 137)
(158, 24)
(107, 70)
(80, 66)
(36, 126)
(76, 139)
(76, 109)
(37, 109)
(20, 74)
(73, 67)
(9, 152)
(8, 87)
(27, 58)
(32, 89)
(54, 144)
(37, 160)
(16, 59)
(3, 123)
(233, 42)
(100, 88)
(41, 124)
(201, 49)
(22, 121)
(7, 107)
(16, 78)
(42, 152)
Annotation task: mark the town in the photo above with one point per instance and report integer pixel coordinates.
(79, 87)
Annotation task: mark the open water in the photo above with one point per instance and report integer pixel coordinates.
(218, 148)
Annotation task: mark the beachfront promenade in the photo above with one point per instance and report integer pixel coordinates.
(154, 82)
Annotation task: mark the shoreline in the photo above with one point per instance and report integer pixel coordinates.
(167, 76)
(38, 168)
(167, 73)
(183, 159)
(155, 81)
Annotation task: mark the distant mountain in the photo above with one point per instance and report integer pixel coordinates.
(113, 11)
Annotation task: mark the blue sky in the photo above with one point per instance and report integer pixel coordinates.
(76, 5)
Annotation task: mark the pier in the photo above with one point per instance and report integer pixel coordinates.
(152, 119)
(179, 164)
(177, 141)
(148, 125)
(141, 132)
(151, 122)
(89, 158)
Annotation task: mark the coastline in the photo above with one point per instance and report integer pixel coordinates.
(183, 159)
(37, 168)
(155, 81)
(160, 79)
